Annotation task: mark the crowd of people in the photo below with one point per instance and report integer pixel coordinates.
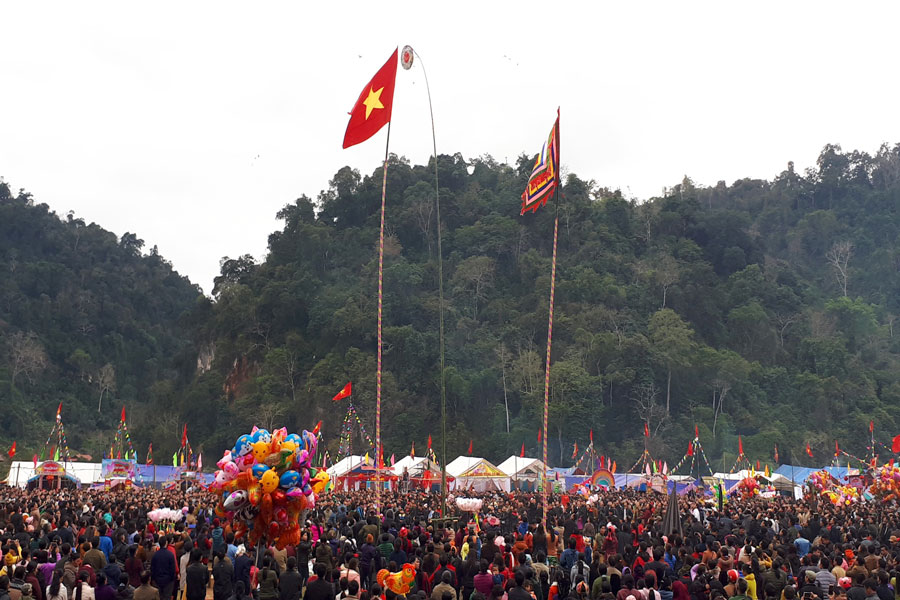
(90, 545)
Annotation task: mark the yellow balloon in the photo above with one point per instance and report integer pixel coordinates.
(260, 451)
(269, 481)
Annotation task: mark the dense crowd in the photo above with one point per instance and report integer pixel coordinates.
(89, 545)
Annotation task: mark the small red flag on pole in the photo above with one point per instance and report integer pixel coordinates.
(809, 450)
(592, 436)
(539, 436)
(372, 110)
(696, 431)
(429, 442)
(470, 447)
(12, 450)
(412, 451)
(646, 430)
(123, 413)
(59, 412)
(690, 451)
(575, 451)
(345, 392)
(184, 436)
(776, 453)
(837, 449)
(895, 445)
(740, 446)
(522, 453)
(871, 426)
(757, 465)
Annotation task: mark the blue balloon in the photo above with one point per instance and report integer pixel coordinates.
(289, 479)
(293, 437)
(242, 446)
(258, 469)
(261, 434)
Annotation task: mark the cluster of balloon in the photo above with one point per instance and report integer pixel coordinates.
(844, 495)
(821, 481)
(748, 487)
(266, 482)
(886, 486)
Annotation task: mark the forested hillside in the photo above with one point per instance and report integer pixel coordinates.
(760, 308)
(86, 319)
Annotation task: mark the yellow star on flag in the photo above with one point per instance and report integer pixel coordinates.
(373, 101)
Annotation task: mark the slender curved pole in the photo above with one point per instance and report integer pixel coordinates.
(437, 203)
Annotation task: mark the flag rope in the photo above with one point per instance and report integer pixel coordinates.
(380, 313)
(544, 490)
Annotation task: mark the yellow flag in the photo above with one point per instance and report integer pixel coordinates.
(366, 459)
(768, 473)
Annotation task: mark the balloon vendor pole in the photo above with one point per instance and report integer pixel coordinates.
(544, 490)
(406, 62)
(380, 313)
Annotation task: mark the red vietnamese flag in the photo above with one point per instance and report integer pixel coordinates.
(345, 392)
(12, 450)
(646, 430)
(470, 447)
(809, 450)
(690, 451)
(372, 110)
(522, 453)
(740, 446)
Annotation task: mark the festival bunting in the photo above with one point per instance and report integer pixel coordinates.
(544, 177)
(372, 110)
(345, 392)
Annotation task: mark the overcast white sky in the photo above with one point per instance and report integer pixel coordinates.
(192, 123)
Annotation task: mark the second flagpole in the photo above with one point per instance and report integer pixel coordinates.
(387, 144)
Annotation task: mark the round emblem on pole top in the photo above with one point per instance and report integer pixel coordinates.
(406, 57)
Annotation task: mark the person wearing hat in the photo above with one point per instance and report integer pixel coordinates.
(810, 590)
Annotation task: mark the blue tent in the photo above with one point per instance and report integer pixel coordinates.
(799, 475)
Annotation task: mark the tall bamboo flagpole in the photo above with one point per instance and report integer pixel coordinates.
(544, 178)
(380, 314)
(544, 488)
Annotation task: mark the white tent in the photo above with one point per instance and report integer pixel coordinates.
(471, 472)
(344, 466)
(522, 470)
